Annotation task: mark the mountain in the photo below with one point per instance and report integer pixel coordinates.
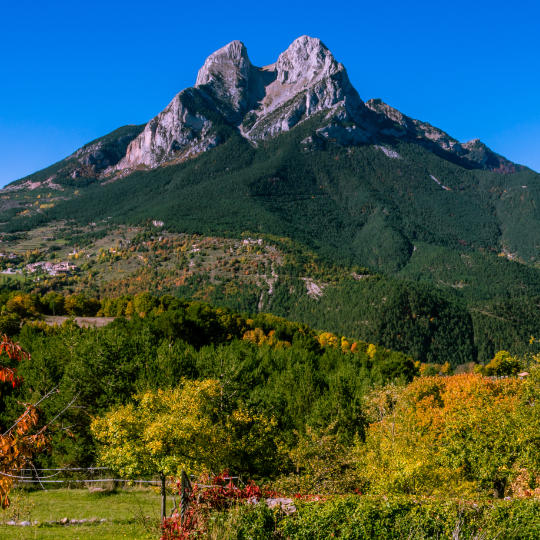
(402, 178)
(290, 151)
(89, 161)
(472, 154)
(261, 103)
(264, 102)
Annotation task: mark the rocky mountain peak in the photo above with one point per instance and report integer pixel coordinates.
(305, 80)
(262, 102)
(305, 61)
(226, 74)
(226, 65)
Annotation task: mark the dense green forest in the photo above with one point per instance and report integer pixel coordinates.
(182, 385)
(426, 323)
(275, 366)
(352, 204)
(303, 377)
(451, 273)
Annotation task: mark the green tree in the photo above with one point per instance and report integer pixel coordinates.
(502, 364)
(166, 431)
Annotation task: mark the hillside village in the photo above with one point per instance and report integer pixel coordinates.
(62, 268)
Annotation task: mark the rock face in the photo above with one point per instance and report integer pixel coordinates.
(229, 78)
(95, 157)
(262, 102)
(477, 152)
(472, 154)
(305, 80)
(180, 131)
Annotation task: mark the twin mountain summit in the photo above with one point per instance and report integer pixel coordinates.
(291, 150)
(306, 82)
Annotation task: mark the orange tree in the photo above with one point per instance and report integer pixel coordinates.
(463, 432)
(21, 440)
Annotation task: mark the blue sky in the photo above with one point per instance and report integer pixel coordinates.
(73, 71)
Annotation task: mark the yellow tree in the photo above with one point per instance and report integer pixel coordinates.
(166, 431)
(462, 431)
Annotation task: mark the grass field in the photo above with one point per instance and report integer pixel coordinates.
(130, 513)
(6, 279)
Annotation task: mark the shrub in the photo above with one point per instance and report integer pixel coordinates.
(366, 518)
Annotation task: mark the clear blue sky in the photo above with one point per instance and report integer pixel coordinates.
(73, 71)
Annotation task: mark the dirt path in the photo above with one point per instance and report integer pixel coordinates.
(96, 322)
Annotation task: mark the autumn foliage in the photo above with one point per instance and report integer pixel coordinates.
(212, 493)
(459, 433)
(14, 352)
(19, 442)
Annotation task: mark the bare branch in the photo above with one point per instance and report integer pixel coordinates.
(29, 408)
(59, 414)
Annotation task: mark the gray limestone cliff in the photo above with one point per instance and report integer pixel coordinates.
(305, 80)
(262, 102)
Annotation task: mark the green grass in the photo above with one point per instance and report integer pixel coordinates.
(105, 531)
(130, 513)
(5, 279)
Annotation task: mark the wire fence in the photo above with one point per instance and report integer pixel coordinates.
(180, 489)
(73, 476)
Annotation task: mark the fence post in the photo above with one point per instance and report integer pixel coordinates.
(185, 492)
(163, 497)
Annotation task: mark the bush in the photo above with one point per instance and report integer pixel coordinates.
(365, 518)
(244, 522)
(10, 324)
(359, 518)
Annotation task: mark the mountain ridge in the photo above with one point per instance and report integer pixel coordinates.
(263, 102)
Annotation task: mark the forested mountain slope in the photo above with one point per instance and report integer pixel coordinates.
(369, 204)
(291, 151)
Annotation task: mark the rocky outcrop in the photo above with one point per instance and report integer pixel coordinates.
(477, 152)
(305, 80)
(230, 80)
(473, 154)
(394, 123)
(97, 156)
(182, 130)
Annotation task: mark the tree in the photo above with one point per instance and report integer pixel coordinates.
(18, 443)
(80, 305)
(465, 431)
(164, 432)
(54, 303)
(502, 364)
(22, 305)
